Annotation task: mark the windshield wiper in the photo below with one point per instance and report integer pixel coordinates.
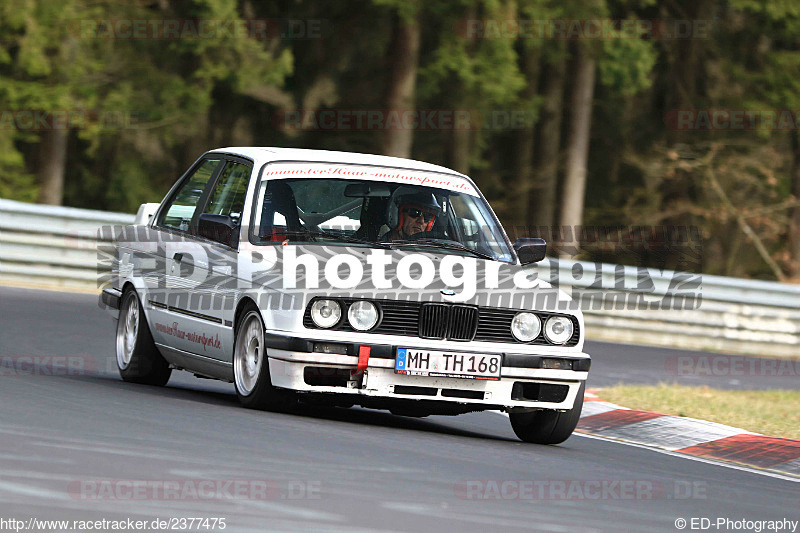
(448, 245)
(318, 233)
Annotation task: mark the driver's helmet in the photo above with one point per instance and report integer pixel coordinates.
(424, 201)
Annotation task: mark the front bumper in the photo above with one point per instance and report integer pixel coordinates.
(524, 384)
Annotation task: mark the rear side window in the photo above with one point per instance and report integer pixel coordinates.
(178, 213)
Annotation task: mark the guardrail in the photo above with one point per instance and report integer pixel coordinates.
(57, 246)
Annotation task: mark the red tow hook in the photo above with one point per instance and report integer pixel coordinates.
(363, 360)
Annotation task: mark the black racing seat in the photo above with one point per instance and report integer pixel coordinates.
(278, 198)
(373, 216)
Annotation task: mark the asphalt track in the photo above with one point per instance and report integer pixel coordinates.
(63, 435)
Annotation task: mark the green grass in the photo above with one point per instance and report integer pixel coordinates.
(772, 412)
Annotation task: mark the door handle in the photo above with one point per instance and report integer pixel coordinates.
(177, 257)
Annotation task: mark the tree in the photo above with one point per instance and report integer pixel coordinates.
(774, 66)
(476, 75)
(577, 152)
(624, 65)
(144, 108)
(43, 72)
(522, 178)
(793, 223)
(403, 63)
(542, 204)
(757, 69)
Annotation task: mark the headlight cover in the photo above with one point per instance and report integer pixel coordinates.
(362, 315)
(526, 326)
(558, 329)
(326, 313)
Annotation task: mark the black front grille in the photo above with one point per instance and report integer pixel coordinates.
(445, 321)
(463, 322)
(434, 320)
(397, 318)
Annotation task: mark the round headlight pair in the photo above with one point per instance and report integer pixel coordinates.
(361, 315)
(526, 326)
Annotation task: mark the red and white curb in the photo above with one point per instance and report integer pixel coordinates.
(689, 436)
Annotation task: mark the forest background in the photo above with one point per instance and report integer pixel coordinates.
(666, 132)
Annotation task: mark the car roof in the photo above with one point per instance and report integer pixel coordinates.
(261, 155)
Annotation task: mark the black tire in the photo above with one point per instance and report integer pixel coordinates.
(547, 426)
(251, 366)
(138, 358)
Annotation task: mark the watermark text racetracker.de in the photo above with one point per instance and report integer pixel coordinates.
(703, 523)
(38, 366)
(201, 489)
(49, 365)
(172, 29)
(730, 366)
(38, 120)
(733, 119)
(590, 29)
(580, 489)
(403, 119)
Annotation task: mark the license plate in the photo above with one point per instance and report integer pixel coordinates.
(414, 362)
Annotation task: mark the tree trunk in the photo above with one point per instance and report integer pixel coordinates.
(400, 96)
(518, 187)
(53, 157)
(460, 150)
(793, 270)
(542, 202)
(686, 74)
(577, 145)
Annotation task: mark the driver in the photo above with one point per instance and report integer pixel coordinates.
(416, 213)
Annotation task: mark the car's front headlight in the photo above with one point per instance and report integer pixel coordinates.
(525, 327)
(558, 329)
(362, 315)
(326, 313)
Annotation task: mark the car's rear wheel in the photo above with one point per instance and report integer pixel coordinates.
(138, 359)
(547, 426)
(251, 365)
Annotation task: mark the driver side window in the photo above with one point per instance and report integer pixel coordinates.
(179, 212)
(227, 198)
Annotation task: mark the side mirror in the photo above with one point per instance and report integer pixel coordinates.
(530, 250)
(219, 228)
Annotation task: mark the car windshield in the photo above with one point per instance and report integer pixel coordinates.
(378, 214)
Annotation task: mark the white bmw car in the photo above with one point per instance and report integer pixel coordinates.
(345, 279)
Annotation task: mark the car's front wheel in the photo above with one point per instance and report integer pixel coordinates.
(547, 426)
(251, 365)
(138, 359)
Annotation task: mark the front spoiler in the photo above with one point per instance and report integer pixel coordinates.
(110, 300)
